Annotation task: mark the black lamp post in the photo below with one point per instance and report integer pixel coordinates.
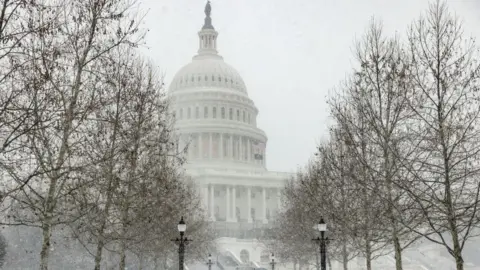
(182, 242)
(209, 263)
(273, 262)
(322, 240)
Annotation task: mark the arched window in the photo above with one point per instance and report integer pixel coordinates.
(205, 112)
(244, 256)
(197, 112)
(238, 115)
(214, 112)
(189, 113)
(223, 112)
(230, 114)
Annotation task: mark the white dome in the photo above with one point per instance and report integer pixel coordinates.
(208, 71)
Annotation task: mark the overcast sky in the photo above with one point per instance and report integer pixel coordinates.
(289, 53)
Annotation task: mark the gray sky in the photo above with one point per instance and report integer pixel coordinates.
(290, 54)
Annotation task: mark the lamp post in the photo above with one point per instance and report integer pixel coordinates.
(209, 263)
(322, 240)
(273, 262)
(182, 242)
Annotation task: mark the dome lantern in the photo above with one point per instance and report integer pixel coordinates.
(208, 35)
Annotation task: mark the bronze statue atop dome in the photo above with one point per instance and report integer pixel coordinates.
(208, 20)
(208, 9)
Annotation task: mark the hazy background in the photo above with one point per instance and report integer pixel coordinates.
(290, 53)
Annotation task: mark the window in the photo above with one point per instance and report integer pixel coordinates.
(189, 113)
(213, 78)
(238, 115)
(214, 112)
(244, 118)
(223, 112)
(205, 112)
(244, 256)
(230, 113)
(180, 114)
(197, 112)
(249, 118)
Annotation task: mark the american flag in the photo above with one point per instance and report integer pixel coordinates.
(258, 149)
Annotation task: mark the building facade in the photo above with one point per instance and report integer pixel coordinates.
(226, 149)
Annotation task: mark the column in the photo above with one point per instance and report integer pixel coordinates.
(240, 146)
(231, 147)
(227, 206)
(264, 205)
(234, 204)
(212, 202)
(249, 204)
(249, 150)
(221, 154)
(200, 145)
(210, 145)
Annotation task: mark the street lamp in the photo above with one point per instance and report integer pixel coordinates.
(322, 240)
(273, 262)
(209, 263)
(182, 242)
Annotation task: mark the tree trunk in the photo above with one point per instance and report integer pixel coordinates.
(392, 202)
(98, 254)
(368, 255)
(457, 251)
(398, 251)
(344, 256)
(45, 252)
(123, 259)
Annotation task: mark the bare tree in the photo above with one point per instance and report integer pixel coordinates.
(354, 130)
(63, 72)
(445, 103)
(379, 92)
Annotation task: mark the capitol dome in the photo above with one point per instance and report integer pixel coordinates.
(216, 121)
(208, 71)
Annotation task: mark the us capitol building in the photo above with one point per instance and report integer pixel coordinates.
(226, 150)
